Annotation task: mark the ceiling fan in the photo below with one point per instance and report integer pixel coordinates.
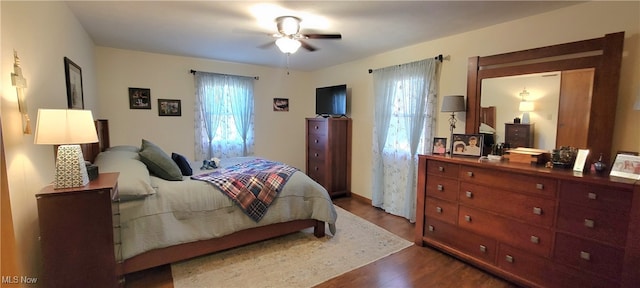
(290, 38)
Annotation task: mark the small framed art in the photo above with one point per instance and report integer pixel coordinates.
(439, 146)
(169, 107)
(467, 145)
(73, 77)
(139, 98)
(280, 104)
(626, 166)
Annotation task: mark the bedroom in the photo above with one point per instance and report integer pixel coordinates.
(28, 27)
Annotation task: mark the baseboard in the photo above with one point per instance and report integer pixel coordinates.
(361, 199)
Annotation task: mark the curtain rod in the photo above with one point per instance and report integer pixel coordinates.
(194, 72)
(439, 58)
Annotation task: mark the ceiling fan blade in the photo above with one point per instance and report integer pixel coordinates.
(306, 45)
(323, 36)
(267, 45)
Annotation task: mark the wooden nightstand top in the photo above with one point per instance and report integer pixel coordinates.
(104, 181)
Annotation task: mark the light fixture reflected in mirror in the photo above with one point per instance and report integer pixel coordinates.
(525, 106)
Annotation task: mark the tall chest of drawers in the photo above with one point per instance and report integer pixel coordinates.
(328, 153)
(534, 226)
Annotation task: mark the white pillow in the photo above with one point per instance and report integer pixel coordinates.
(133, 181)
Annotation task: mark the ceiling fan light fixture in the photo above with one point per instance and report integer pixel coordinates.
(288, 45)
(288, 25)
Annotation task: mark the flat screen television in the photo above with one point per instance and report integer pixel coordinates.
(331, 101)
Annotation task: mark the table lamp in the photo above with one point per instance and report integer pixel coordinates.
(67, 128)
(453, 104)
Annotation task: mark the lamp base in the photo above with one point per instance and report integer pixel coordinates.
(525, 118)
(70, 168)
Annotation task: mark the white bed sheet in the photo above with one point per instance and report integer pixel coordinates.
(192, 210)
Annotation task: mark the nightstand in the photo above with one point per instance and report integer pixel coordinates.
(79, 234)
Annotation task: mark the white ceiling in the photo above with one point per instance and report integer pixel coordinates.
(232, 31)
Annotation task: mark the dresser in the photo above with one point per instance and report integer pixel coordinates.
(79, 234)
(519, 135)
(328, 153)
(534, 226)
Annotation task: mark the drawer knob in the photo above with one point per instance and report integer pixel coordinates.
(469, 194)
(483, 249)
(440, 187)
(592, 196)
(316, 140)
(537, 210)
(315, 168)
(467, 218)
(440, 168)
(539, 186)
(470, 174)
(316, 154)
(535, 239)
(589, 223)
(316, 127)
(585, 255)
(509, 258)
(439, 210)
(431, 228)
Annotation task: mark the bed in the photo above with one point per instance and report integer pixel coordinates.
(164, 221)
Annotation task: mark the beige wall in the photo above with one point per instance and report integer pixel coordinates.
(579, 22)
(44, 32)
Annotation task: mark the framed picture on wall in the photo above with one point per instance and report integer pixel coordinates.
(467, 144)
(169, 107)
(139, 98)
(73, 77)
(280, 104)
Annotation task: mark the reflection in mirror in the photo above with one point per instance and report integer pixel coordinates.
(506, 94)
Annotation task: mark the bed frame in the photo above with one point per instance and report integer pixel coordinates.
(185, 251)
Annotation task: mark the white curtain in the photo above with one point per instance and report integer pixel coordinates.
(405, 107)
(224, 113)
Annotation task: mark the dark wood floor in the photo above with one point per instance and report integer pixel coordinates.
(412, 267)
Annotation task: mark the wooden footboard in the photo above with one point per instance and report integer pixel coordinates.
(185, 251)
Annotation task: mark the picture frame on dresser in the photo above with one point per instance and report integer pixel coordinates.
(467, 145)
(439, 146)
(626, 166)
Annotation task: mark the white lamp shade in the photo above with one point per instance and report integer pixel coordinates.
(65, 126)
(526, 106)
(288, 45)
(453, 103)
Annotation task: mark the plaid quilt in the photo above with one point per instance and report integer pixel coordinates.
(253, 185)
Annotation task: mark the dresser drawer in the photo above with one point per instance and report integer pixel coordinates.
(595, 196)
(315, 155)
(442, 210)
(443, 169)
(475, 245)
(530, 209)
(546, 187)
(537, 269)
(597, 224)
(316, 171)
(318, 127)
(534, 239)
(588, 255)
(317, 142)
(443, 188)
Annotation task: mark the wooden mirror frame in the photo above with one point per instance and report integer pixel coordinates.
(603, 54)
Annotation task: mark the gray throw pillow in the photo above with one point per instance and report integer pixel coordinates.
(158, 162)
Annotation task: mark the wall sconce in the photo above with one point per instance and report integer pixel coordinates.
(67, 128)
(452, 104)
(20, 83)
(525, 106)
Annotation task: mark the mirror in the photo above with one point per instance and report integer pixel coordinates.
(600, 57)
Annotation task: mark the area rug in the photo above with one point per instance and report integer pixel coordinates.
(295, 260)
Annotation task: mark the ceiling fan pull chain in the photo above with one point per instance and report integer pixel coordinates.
(288, 54)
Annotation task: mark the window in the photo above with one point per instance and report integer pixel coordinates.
(224, 116)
